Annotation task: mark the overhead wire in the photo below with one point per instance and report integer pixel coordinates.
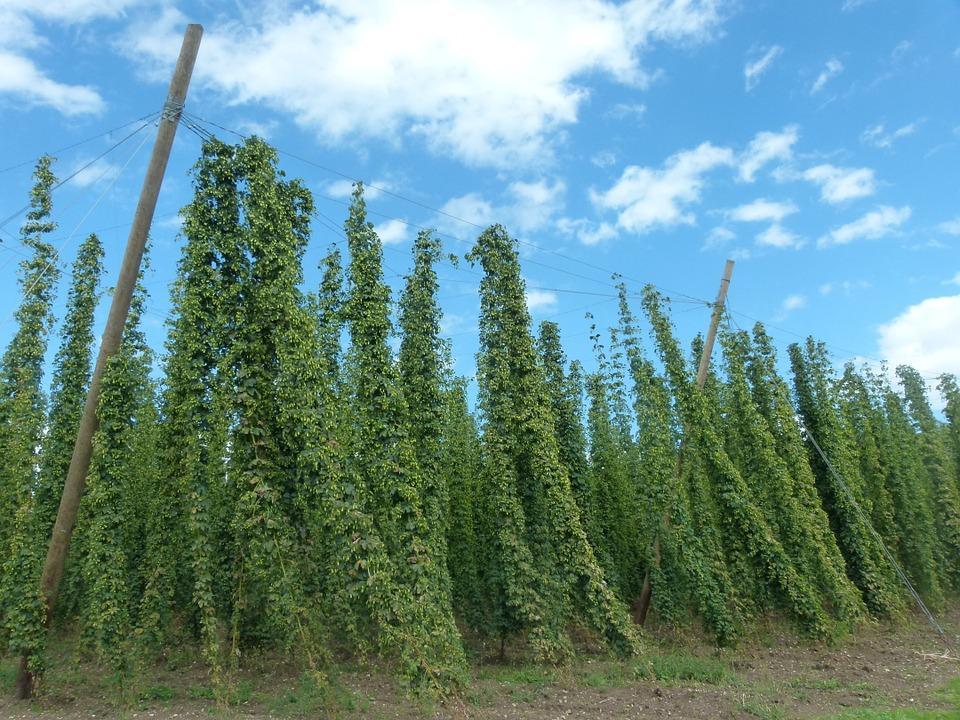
(79, 170)
(148, 116)
(195, 124)
(69, 237)
(889, 555)
(457, 218)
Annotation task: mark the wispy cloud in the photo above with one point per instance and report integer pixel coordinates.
(762, 210)
(766, 147)
(776, 236)
(755, 69)
(587, 231)
(839, 184)
(718, 237)
(950, 227)
(791, 303)
(525, 207)
(879, 136)
(833, 68)
(603, 159)
(100, 171)
(847, 287)
(622, 111)
(872, 226)
(343, 188)
(645, 197)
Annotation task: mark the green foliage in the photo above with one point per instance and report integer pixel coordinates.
(540, 568)
(771, 397)
(614, 530)
(330, 315)
(420, 378)
(941, 472)
(412, 609)
(841, 487)
(950, 391)
(566, 401)
(739, 511)
(897, 487)
(22, 418)
(71, 374)
(272, 492)
(123, 472)
(684, 559)
(793, 520)
(461, 467)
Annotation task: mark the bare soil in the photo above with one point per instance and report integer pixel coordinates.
(772, 676)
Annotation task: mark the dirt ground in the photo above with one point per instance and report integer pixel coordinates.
(772, 676)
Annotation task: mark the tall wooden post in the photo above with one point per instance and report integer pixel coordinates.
(642, 606)
(112, 334)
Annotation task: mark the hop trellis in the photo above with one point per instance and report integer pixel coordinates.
(278, 488)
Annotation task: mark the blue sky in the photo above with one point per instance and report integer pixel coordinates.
(817, 143)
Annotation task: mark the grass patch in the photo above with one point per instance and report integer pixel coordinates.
(518, 674)
(807, 683)
(8, 673)
(761, 708)
(950, 693)
(156, 693)
(311, 697)
(673, 668)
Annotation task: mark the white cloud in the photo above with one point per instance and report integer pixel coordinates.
(875, 224)
(534, 203)
(471, 207)
(762, 210)
(526, 207)
(22, 78)
(260, 129)
(621, 111)
(755, 68)
(392, 232)
(925, 336)
(777, 237)
(718, 237)
(540, 299)
(793, 302)
(833, 68)
(878, 136)
(343, 188)
(453, 323)
(765, 147)
(950, 227)
(587, 231)
(838, 184)
(99, 171)
(603, 159)
(649, 197)
(491, 82)
(955, 280)
(850, 5)
(847, 287)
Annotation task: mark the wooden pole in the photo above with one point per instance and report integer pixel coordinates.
(112, 334)
(642, 606)
(714, 322)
